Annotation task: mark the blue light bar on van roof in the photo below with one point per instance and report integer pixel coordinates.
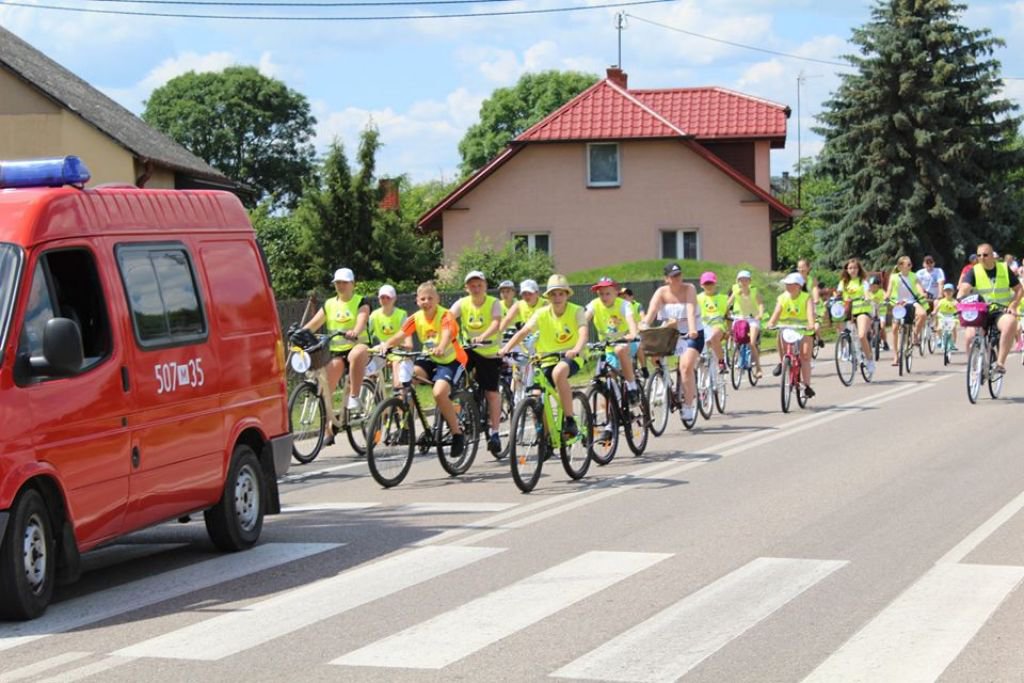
(67, 170)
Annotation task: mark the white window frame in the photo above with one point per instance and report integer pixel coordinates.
(618, 165)
(531, 240)
(679, 232)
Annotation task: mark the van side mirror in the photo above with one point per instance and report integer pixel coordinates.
(63, 354)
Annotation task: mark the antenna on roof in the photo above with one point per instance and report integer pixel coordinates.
(620, 26)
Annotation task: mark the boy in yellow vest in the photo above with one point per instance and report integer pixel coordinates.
(613, 319)
(349, 314)
(507, 295)
(479, 316)
(385, 322)
(563, 329)
(438, 333)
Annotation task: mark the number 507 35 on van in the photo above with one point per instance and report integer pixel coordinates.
(141, 372)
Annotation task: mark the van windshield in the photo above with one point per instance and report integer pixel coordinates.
(10, 265)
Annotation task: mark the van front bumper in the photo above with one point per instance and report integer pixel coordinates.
(4, 516)
(282, 449)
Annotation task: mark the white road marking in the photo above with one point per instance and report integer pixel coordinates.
(978, 536)
(443, 508)
(280, 615)
(88, 670)
(917, 636)
(303, 476)
(37, 668)
(325, 507)
(677, 639)
(88, 609)
(447, 638)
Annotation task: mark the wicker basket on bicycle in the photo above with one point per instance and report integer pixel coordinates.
(659, 341)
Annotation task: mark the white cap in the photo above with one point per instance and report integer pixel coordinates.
(474, 274)
(387, 290)
(793, 279)
(743, 274)
(529, 286)
(344, 275)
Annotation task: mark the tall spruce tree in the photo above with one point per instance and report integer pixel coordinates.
(919, 139)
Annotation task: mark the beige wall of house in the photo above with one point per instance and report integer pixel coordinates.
(32, 126)
(664, 186)
(762, 164)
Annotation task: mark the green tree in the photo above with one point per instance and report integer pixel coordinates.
(276, 233)
(510, 111)
(816, 194)
(252, 128)
(918, 139)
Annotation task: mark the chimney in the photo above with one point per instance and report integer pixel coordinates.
(617, 76)
(388, 193)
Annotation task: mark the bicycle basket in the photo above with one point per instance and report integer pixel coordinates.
(973, 313)
(791, 336)
(659, 341)
(741, 331)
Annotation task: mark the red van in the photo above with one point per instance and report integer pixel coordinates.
(141, 372)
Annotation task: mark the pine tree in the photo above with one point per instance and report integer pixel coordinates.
(919, 140)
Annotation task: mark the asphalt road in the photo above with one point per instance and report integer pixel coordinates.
(875, 536)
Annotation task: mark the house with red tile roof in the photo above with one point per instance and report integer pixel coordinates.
(621, 175)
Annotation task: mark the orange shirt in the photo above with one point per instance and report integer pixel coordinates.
(430, 330)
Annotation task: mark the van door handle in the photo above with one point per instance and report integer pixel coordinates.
(125, 384)
(135, 457)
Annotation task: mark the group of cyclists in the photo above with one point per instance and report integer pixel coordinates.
(479, 330)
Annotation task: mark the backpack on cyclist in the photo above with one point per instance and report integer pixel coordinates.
(741, 331)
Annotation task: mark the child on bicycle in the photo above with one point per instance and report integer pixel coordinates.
(385, 322)
(945, 310)
(613, 319)
(563, 329)
(793, 309)
(746, 303)
(713, 312)
(438, 333)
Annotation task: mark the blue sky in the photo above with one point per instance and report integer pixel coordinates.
(422, 82)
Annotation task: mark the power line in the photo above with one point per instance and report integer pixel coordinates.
(258, 5)
(741, 45)
(394, 17)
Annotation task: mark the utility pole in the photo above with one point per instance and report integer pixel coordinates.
(620, 26)
(801, 77)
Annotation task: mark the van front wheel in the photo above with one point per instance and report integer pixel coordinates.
(236, 521)
(27, 559)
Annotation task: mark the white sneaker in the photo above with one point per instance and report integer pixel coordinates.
(689, 411)
(871, 367)
(353, 403)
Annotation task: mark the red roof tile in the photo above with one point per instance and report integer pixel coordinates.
(715, 113)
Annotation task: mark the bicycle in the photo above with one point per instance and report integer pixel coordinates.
(537, 429)
(483, 410)
(307, 405)
(927, 336)
(849, 355)
(792, 380)
(947, 324)
(392, 428)
(711, 389)
(983, 351)
(610, 406)
(739, 355)
(904, 337)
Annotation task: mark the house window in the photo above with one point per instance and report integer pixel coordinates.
(603, 165)
(680, 244)
(533, 241)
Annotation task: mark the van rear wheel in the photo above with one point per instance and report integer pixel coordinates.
(236, 521)
(27, 559)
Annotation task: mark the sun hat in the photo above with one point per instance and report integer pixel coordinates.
(793, 279)
(387, 290)
(344, 275)
(743, 274)
(530, 286)
(673, 269)
(474, 275)
(557, 281)
(948, 285)
(604, 282)
(707, 277)
(507, 284)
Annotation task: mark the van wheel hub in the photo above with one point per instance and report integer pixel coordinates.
(247, 498)
(34, 553)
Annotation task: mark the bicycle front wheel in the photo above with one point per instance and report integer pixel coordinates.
(528, 443)
(786, 385)
(798, 386)
(908, 354)
(705, 401)
(391, 443)
(660, 401)
(995, 379)
(465, 409)
(505, 425)
(637, 419)
(606, 423)
(720, 392)
(357, 430)
(929, 339)
(736, 366)
(975, 370)
(688, 424)
(576, 451)
(307, 420)
(846, 359)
